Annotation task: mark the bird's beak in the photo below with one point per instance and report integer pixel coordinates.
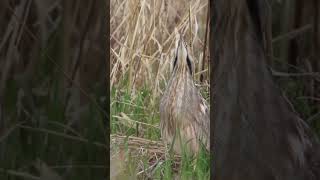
(181, 50)
(182, 60)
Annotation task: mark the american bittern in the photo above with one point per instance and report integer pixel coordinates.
(184, 115)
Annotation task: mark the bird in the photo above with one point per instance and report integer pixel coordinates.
(184, 113)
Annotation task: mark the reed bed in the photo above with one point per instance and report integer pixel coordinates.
(142, 39)
(142, 43)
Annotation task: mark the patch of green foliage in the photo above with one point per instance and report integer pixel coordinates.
(143, 107)
(36, 129)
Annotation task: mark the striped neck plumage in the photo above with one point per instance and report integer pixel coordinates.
(182, 60)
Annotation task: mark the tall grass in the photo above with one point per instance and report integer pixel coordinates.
(49, 128)
(142, 42)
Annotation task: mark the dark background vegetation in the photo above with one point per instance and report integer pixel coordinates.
(53, 89)
(296, 55)
(255, 121)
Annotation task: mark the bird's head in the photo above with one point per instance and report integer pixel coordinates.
(182, 60)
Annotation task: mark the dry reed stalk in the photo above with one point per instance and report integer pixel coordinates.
(142, 40)
(142, 37)
(155, 151)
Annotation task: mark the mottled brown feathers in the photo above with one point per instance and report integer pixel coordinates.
(182, 108)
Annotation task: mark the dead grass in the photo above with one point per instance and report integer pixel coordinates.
(142, 39)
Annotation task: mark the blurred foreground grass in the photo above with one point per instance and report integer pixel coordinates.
(49, 128)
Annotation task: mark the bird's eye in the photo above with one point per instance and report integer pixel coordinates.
(189, 65)
(175, 62)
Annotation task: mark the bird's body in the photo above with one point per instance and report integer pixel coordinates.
(184, 115)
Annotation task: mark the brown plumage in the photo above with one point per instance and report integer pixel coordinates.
(182, 108)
